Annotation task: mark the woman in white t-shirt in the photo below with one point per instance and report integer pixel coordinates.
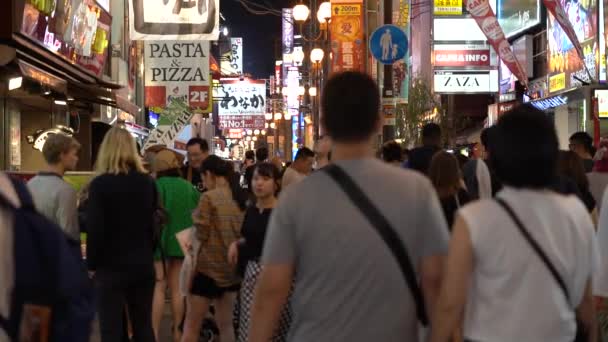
(495, 283)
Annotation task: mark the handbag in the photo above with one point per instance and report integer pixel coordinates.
(581, 334)
(386, 232)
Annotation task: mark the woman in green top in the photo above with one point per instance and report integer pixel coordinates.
(179, 199)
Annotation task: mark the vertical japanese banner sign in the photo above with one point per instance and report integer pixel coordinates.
(347, 35)
(485, 18)
(236, 52)
(287, 40)
(556, 9)
(401, 74)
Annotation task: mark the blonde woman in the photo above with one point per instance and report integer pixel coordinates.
(120, 251)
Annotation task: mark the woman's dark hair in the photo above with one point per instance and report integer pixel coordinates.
(571, 166)
(445, 174)
(585, 140)
(169, 173)
(270, 171)
(250, 155)
(524, 149)
(392, 152)
(222, 168)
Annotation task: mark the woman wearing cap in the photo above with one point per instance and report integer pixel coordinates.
(179, 199)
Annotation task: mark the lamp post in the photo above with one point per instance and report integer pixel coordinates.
(318, 34)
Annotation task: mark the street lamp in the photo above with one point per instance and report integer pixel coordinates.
(268, 116)
(324, 12)
(298, 56)
(316, 55)
(301, 91)
(312, 91)
(301, 13)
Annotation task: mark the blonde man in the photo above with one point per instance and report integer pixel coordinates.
(54, 197)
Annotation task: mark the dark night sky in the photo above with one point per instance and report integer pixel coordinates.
(258, 32)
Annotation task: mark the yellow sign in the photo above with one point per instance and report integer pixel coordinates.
(557, 82)
(448, 7)
(345, 9)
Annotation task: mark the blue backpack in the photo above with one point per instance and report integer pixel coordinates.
(49, 272)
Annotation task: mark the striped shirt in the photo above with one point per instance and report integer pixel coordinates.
(218, 220)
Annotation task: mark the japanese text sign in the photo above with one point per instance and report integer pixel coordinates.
(347, 36)
(448, 7)
(241, 104)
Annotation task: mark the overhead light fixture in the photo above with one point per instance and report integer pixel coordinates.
(254, 138)
(278, 116)
(61, 103)
(47, 92)
(301, 90)
(15, 83)
(263, 132)
(273, 125)
(256, 132)
(70, 98)
(268, 116)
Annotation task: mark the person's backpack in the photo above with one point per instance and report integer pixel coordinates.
(49, 273)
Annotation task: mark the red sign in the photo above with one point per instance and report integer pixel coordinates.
(242, 121)
(487, 22)
(198, 96)
(156, 96)
(461, 58)
(235, 133)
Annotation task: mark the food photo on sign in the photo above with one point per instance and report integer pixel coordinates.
(564, 62)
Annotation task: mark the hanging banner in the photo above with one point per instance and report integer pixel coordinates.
(483, 14)
(242, 104)
(401, 77)
(557, 11)
(174, 19)
(347, 36)
(178, 71)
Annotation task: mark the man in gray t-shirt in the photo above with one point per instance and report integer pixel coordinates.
(348, 285)
(53, 197)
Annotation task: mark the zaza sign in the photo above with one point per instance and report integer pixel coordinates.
(466, 82)
(177, 71)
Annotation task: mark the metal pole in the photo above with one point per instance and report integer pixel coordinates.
(388, 131)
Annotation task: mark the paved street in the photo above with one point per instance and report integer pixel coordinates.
(165, 328)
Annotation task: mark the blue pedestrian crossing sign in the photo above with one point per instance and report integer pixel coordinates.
(388, 44)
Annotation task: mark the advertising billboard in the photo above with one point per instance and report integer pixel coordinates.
(466, 82)
(563, 60)
(401, 69)
(174, 19)
(241, 104)
(177, 71)
(347, 36)
(447, 7)
(77, 30)
(516, 16)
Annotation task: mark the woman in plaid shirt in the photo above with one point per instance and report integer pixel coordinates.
(218, 220)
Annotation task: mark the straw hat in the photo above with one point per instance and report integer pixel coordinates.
(166, 160)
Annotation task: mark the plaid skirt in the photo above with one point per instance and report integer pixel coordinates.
(242, 310)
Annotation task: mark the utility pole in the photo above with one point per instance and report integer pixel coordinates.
(388, 100)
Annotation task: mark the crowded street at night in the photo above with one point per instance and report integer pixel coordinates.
(303, 170)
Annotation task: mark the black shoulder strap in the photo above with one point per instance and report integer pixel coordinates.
(539, 251)
(385, 230)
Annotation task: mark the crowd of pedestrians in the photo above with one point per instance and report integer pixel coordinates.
(505, 244)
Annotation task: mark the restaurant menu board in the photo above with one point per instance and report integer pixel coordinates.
(78, 30)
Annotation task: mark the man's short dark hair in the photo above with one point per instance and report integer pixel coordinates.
(583, 139)
(431, 132)
(525, 148)
(392, 152)
(261, 154)
(350, 105)
(303, 153)
(485, 136)
(202, 143)
(250, 155)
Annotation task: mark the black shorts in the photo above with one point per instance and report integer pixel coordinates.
(204, 286)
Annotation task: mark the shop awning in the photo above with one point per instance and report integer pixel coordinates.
(104, 96)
